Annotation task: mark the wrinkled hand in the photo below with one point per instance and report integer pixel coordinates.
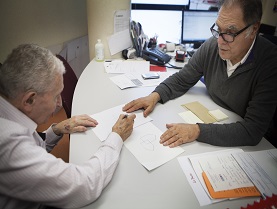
(147, 103)
(124, 126)
(77, 123)
(179, 133)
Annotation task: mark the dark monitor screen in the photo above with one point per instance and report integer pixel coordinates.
(196, 26)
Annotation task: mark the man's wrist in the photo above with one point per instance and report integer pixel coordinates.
(196, 131)
(56, 129)
(156, 96)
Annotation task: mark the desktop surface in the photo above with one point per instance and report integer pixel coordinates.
(132, 186)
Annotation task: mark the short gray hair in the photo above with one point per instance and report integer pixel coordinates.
(29, 67)
(252, 9)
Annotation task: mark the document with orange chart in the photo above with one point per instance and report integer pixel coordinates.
(222, 173)
(232, 193)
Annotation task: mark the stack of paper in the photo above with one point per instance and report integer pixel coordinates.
(232, 173)
(144, 141)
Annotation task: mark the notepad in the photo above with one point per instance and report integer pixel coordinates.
(218, 115)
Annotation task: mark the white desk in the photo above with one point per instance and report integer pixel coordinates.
(133, 187)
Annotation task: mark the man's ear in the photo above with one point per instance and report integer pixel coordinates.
(256, 27)
(29, 100)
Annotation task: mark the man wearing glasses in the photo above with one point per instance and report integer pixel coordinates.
(240, 74)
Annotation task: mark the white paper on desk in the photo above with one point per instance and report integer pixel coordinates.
(190, 118)
(126, 80)
(194, 159)
(129, 80)
(119, 41)
(261, 167)
(128, 66)
(106, 119)
(223, 172)
(145, 146)
(193, 172)
(194, 182)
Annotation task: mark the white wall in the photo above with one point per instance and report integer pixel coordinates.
(269, 17)
(49, 23)
(100, 22)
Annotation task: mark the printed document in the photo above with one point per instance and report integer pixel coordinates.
(106, 119)
(122, 66)
(246, 174)
(193, 170)
(262, 168)
(129, 80)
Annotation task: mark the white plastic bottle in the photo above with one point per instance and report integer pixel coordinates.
(99, 51)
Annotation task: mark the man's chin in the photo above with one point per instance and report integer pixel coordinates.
(223, 55)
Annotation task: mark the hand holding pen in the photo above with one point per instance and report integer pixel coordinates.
(124, 125)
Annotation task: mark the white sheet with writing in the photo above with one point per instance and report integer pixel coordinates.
(193, 172)
(223, 172)
(202, 197)
(145, 146)
(261, 166)
(128, 80)
(122, 66)
(106, 119)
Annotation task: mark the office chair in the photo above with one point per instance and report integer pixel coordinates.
(267, 29)
(70, 80)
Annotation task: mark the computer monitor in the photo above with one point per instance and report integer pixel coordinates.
(165, 24)
(196, 26)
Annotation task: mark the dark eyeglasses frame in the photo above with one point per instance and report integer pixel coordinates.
(230, 34)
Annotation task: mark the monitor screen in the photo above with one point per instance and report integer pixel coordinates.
(196, 26)
(165, 24)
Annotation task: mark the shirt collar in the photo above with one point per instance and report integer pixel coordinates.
(247, 54)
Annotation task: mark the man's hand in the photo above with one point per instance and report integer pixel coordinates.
(75, 124)
(179, 133)
(147, 103)
(124, 125)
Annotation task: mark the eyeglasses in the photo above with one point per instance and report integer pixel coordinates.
(228, 37)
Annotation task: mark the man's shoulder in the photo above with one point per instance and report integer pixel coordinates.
(264, 46)
(9, 128)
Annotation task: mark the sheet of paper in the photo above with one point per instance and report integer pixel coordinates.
(129, 80)
(194, 159)
(119, 41)
(232, 193)
(200, 193)
(106, 119)
(121, 20)
(223, 172)
(119, 66)
(145, 146)
(198, 169)
(190, 118)
(218, 115)
(261, 166)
